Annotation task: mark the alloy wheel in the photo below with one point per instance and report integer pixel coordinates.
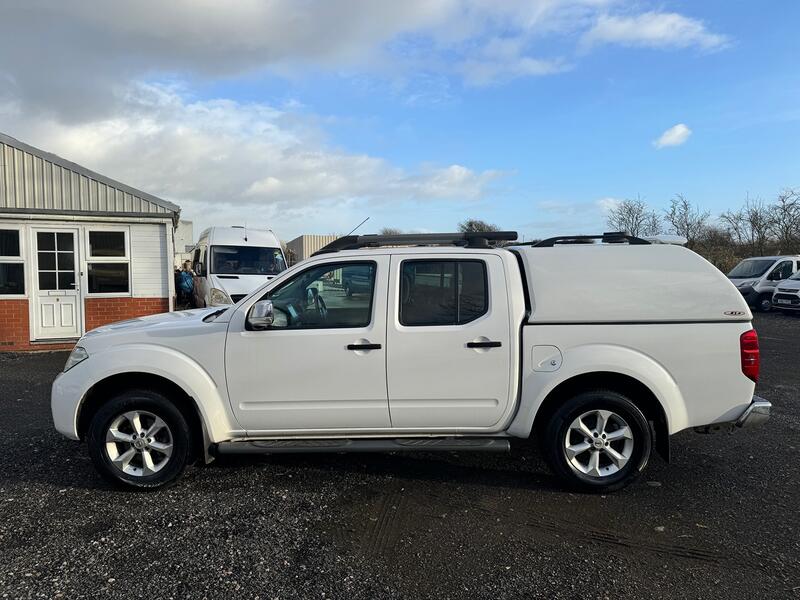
(598, 444)
(138, 443)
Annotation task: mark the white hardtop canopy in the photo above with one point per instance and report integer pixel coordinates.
(621, 283)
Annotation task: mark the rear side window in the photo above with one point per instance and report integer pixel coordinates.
(442, 292)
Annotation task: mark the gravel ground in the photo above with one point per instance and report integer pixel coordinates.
(721, 521)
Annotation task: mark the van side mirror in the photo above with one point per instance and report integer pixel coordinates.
(260, 316)
(198, 269)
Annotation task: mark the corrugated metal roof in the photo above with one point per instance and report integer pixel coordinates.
(32, 180)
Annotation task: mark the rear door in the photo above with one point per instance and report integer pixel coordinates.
(448, 341)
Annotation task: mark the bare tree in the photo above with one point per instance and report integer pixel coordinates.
(635, 217)
(685, 219)
(785, 221)
(476, 225)
(751, 225)
(390, 231)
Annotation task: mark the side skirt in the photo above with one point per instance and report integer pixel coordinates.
(365, 445)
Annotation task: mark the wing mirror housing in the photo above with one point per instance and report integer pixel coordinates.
(260, 316)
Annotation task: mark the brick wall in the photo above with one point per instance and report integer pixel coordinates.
(101, 311)
(14, 319)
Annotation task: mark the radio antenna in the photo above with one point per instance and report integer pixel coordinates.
(357, 226)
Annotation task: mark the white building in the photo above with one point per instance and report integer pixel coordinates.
(77, 249)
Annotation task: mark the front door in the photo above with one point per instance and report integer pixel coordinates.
(56, 298)
(448, 342)
(322, 365)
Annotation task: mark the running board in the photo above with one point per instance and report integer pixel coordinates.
(365, 445)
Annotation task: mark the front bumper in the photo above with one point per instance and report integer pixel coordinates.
(755, 414)
(65, 398)
(750, 295)
(784, 301)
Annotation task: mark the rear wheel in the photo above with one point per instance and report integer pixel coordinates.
(597, 441)
(139, 439)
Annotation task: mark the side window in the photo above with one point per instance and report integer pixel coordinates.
(442, 292)
(783, 270)
(327, 296)
(12, 273)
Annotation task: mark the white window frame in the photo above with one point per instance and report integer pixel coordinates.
(126, 231)
(16, 260)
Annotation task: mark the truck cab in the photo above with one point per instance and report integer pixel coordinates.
(230, 262)
(449, 342)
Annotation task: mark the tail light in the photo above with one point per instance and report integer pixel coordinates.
(751, 359)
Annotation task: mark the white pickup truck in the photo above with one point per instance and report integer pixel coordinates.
(433, 342)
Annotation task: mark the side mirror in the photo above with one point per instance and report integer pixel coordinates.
(260, 316)
(199, 269)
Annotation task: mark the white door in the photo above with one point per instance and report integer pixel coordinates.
(56, 298)
(322, 365)
(448, 342)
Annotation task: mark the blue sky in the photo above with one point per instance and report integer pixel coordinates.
(308, 117)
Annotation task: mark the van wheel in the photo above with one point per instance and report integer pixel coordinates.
(597, 441)
(139, 439)
(764, 303)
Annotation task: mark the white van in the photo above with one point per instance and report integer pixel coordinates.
(231, 262)
(757, 277)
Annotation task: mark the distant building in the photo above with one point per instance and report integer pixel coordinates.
(300, 248)
(77, 250)
(184, 242)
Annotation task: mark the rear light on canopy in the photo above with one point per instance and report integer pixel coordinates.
(751, 359)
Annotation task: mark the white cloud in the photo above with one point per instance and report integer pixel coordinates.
(505, 59)
(654, 30)
(228, 161)
(674, 136)
(105, 45)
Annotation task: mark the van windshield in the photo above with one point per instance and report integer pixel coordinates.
(246, 260)
(751, 268)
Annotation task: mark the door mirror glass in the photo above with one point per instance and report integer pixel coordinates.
(260, 316)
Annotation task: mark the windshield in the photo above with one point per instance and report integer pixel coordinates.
(750, 268)
(246, 260)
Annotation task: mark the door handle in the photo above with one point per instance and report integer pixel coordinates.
(484, 344)
(363, 346)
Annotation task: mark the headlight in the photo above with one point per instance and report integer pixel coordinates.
(78, 355)
(218, 297)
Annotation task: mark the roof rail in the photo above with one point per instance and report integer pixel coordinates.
(472, 239)
(609, 237)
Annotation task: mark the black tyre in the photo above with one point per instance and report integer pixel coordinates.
(597, 441)
(139, 439)
(764, 303)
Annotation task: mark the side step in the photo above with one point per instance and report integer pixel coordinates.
(365, 445)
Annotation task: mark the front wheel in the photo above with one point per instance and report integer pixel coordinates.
(764, 303)
(597, 441)
(139, 439)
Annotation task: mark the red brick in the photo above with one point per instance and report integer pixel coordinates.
(14, 319)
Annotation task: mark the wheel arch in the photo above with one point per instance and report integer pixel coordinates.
(101, 391)
(639, 393)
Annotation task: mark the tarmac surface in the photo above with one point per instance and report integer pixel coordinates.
(721, 521)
